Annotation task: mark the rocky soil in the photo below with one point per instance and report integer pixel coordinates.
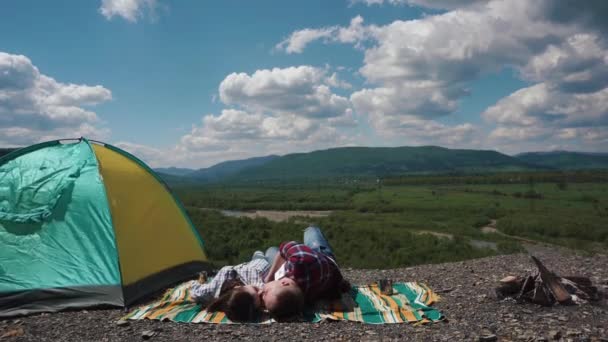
(472, 311)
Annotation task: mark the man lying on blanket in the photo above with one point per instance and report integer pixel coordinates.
(299, 273)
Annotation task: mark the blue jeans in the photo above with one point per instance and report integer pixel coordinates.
(271, 253)
(313, 238)
(257, 255)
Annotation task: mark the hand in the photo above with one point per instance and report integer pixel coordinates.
(278, 262)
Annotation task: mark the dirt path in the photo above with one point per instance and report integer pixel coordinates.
(274, 215)
(437, 234)
(491, 228)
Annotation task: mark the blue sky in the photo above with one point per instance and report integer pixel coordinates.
(193, 83)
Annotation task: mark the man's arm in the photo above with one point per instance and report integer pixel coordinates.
(276, 263)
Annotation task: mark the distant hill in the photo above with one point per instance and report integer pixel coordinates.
(4, 151)
(174, 171)
(229, 168)
(565, 160)
(379, 162)
(174, 180)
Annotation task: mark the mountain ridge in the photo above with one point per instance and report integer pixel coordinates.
(371, 162)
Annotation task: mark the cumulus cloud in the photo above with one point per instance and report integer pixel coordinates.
(408, 129)
(237, 134)
(579, 64)
(539, 104)
(298, 40)
(421, 69)
(302, 91)
(436, 57)
(415, 72)
(234, 126)
(35, 107)
(271, 111)
(356, 33)
(335, 82)
(591, 13)
(130, 10)
(569, 105)
(542, 117)
(423, 99)
(435, 4)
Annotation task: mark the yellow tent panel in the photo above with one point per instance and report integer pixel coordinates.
(151, 231)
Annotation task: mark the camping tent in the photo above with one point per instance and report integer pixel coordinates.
(85, 224)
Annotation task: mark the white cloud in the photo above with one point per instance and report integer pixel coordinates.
(302, 91)
(232, 127)
(35, 107)
(435, 58)
(237, 134)
(271, 111)
(542, 117)
(412, 130)
(422, 99)
(130, 10)
(421, 69)
(578, 65)
(349, 119)
(541, 106)
(436, 4)
(415, 72)
(152, 156)
(298, 40)
(335, 82)
(356, 33)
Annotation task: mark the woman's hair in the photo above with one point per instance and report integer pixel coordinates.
(237, 304)
(290, 302)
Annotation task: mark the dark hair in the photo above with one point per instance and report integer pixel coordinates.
(238, 305)
(335, 292)
(290, 302)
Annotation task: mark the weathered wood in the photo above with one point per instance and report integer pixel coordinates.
(546, 288)
(552, 282)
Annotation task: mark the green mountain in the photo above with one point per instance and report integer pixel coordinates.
(565, 160)
(226, 169)
(380, 162)
(175, 171)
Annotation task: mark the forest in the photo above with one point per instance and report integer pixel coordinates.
(409, 220)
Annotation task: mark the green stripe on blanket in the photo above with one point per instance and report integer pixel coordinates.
(409, 303)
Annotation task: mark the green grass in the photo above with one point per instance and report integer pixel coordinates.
(377, 227)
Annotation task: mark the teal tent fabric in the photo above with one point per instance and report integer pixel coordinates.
(55, 223)
(28, 193)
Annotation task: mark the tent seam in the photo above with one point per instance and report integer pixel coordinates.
(105, 192)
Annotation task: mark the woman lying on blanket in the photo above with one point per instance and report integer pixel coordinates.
(235, 290)
(301, 271)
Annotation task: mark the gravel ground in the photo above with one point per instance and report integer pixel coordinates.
(471, 309)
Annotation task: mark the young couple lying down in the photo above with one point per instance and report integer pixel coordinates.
(281, 281)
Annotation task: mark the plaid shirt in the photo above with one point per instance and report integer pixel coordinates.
(313, 271)
(250, 273)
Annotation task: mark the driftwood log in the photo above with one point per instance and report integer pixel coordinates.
(544, 287)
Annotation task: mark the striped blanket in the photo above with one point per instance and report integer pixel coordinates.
(410, 303)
